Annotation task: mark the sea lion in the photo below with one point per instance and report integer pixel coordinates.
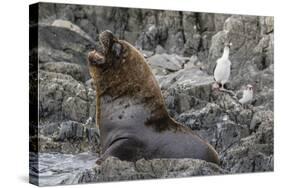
(131, 113)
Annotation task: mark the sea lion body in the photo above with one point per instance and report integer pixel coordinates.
(131, 113)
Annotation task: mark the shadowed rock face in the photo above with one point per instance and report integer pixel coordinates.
(182, 49)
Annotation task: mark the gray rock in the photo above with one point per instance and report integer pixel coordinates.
(147, 53)
(267, 24)
(160, 50)
(68, 25)
(185, 79)
(49, 129)
(264, 52)
(47, 12)
(175, 43)
(194, 62)
(75, 108)
(191, 33)
(71, 69)
(68, 137)
(215, 125)
(165, 61)
(186, 89)
(46, 144)
(148, 39)
(262, 123)
(204, 118)
(58, 44)
(219, 20)
(71, 131)
(253, 158)
(112, 169)
(254, 153)
(61, 97)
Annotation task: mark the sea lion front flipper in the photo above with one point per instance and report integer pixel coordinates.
(116, 149)
(110, 151)
(128, 149)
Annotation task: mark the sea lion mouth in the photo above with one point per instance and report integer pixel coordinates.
(96, 58)
(108, 47)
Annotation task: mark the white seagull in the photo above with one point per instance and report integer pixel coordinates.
(222, 69)
(247, 95)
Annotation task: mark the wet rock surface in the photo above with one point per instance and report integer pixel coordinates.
(181, 49)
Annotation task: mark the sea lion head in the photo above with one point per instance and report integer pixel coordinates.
(119, 70)
(118, 67)
(110, 52)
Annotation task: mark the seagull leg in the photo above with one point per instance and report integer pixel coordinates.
(227, 91)
(215, 86)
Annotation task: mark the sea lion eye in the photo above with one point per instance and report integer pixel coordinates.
(117, 49)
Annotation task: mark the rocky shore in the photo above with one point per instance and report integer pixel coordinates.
(181, 49)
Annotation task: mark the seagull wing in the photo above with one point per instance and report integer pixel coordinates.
(214, 71)
(214, 68)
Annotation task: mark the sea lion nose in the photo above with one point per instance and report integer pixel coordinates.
(95, 58)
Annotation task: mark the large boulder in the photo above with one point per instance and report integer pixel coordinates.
(166, 63)
(61, 44)
(72, 27)
(184, 78)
